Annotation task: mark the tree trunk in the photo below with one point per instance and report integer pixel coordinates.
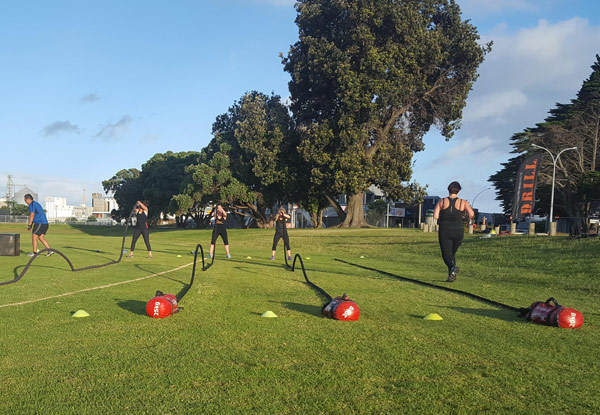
(336, 206)
(317, 218)
(355, 217)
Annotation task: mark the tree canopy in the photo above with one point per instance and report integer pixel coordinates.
(369, 79)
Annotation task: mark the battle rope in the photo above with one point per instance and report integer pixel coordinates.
(33, 258)
(309, 282)
(204, 268)
(428, 284)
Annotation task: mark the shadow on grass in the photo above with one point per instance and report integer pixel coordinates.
(133, 306)
(505, 315)
(313, 310)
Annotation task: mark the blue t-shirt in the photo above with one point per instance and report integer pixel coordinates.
(40, 215)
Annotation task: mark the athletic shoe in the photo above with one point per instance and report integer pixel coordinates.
(32, 254)
(289, 258)
(272, 258)
(209, 256)
(452, 274)
(50, 253)
(228, 256)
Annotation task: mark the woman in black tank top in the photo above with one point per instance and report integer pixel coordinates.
(281, 232)
(219, 230)
(141, 228)
(449, 213)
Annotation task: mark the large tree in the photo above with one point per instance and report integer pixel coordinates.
(576, 124)
(206, 184)
(369, 79)
(127, 190)
(260, 137)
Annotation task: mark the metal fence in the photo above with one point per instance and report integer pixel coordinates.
(24, 219)
(13, 219)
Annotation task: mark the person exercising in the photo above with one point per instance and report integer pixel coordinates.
(37, 223)
(281, 232)
(141, 228)
(220, 230)
(449, 213)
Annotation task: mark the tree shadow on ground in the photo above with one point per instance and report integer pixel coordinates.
(313, 310)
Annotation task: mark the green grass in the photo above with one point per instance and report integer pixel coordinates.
(219, 356)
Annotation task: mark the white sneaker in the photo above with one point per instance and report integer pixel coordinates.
(32, 254)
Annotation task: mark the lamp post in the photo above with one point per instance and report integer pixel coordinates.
(554, 160)
(475, 198)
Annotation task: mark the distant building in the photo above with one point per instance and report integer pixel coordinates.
(57, 210)
(102, 206)
(20, 195)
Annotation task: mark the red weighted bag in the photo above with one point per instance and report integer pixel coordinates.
(161, 306)
(550, 313)
(341, 308)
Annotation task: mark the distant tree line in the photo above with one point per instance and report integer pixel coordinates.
(369, 79)
(576, 124)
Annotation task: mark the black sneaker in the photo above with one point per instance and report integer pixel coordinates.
(452, 274)
(50, 253)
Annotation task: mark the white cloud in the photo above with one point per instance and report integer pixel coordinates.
(556, 56)
(466, 149)
(148, 138)
(112, 131)
(494, 105)
(59, 127)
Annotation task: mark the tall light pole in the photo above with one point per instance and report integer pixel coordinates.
(554, 160)
(475, 198)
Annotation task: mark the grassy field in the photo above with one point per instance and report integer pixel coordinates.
(219, 356)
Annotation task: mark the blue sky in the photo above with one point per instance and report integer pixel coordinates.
(88, 88)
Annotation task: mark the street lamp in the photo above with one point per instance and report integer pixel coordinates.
(554, 160)
(475, 198)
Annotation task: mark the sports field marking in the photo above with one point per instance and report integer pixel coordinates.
(95, 288)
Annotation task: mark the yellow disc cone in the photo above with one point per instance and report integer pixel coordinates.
(248, 257)
(178, 256)
(80, 313)
(268, 314)
(433, 316)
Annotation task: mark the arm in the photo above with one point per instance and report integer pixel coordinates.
(469, 210)
(223, 214)
(143, 207)
(30, 221)
(436, 211)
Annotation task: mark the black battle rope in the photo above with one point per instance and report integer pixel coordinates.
(33, 258)
(428, 284)
(204, 268)
(309, 282)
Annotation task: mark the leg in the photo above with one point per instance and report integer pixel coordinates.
(134, 238)
(286, 244)
(446, 248)
(226, 242)
(275, 242)
(43, 241)
(456, 243)
(34, 242)
(213, 240)
(146, 236)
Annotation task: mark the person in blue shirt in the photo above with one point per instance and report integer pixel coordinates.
(37, 224)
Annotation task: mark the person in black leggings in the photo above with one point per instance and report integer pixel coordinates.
(141, 228)
(449, 214)
(219, 230)
(281, 232)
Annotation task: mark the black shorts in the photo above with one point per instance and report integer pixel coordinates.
(40, 229)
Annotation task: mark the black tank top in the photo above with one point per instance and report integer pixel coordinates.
(451, 217)
(280, 224)
(141, 220)
(220, 220)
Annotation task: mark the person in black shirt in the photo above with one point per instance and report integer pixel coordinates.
(281, 232)
(219, 230)
(141, 228)
(449, 213)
